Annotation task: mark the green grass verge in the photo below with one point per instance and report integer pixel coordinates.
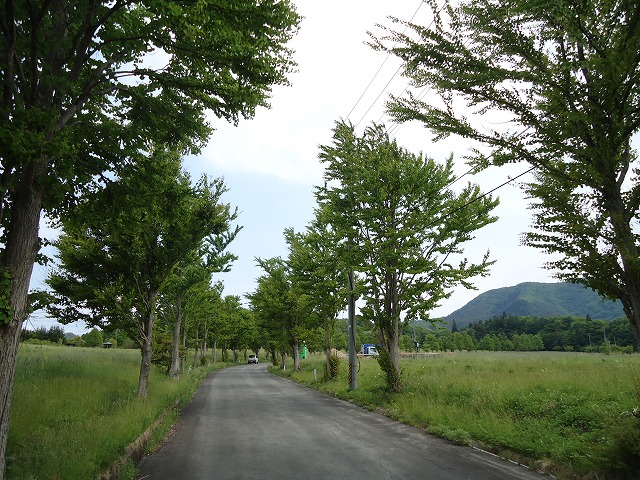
(74, 410)
(566, 413)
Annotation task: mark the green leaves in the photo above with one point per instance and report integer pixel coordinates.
(393, 214)
(564, 75)
(6, 312)
(396, 221)
(125, 240)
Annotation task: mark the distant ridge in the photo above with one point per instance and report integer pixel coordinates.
(537, 299)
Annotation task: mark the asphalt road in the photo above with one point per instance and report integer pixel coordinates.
(245, 423)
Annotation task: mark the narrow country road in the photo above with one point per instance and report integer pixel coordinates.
(245, 423)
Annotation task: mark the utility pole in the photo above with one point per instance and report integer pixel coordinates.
(353, 356)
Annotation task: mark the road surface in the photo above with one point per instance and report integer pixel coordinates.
(245, 423)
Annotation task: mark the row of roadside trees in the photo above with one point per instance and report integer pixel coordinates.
(391, 216)
(564, 77)
(125, 89)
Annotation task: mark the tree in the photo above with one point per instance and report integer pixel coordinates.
(317, 273)
(120, 245)
(187, 276)
(93, 338)
(196, 269)
(401, 227)
(118, 74)
(278, 307)
(565, 75)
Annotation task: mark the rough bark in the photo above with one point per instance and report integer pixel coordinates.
(195, 350)
(147, 346)
(283, 357)
(18, 259)
(388, 361)
(174, 370)
(389, 333)
(183, 358)
(330, 370)
(296, 354)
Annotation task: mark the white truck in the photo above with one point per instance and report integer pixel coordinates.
(369, 349)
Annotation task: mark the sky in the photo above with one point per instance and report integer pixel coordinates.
(270, 163)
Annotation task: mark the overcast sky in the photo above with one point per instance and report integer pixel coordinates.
(270, 163)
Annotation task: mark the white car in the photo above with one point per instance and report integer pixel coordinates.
(253, 359)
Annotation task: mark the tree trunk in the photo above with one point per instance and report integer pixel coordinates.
(327, 353)
(283, 356)
(147, 347)
(9, 342)
(195, 355)
(214, 355)
(183, 357)
(296, 354)
(174, 369)
(204, 339)
(388, 361)
(625, 242)
(389, 332)
(22, 245)
(195, 350)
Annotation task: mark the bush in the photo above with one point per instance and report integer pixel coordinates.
(162, 349)
(394, 381)
(334, 367)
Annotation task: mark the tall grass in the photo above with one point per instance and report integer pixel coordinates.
(74, 410)
(567, 412)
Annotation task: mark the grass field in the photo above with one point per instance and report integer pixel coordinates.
(75, 410)
(566, 413)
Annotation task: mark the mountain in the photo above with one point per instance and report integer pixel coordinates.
(540, 300)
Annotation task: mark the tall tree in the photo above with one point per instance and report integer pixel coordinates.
(120, 245)
(566, 73)
(401, 226)
(85, 85)
(279, 307)
(211, 256)
(316, 271)
(189, 274)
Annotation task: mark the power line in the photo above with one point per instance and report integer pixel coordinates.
(478, 198)
(379, 69)
(397, 126)
(379, 95)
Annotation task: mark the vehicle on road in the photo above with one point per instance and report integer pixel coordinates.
(253, 359)
(369, 349)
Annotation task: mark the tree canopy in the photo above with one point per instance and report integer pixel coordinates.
(317, 272)
(88, 87)
(565, 76)
(400, 226)
(120, 245)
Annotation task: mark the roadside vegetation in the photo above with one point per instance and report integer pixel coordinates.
(75, 410)
(569, 414)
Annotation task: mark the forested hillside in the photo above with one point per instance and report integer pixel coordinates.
(539, 300)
